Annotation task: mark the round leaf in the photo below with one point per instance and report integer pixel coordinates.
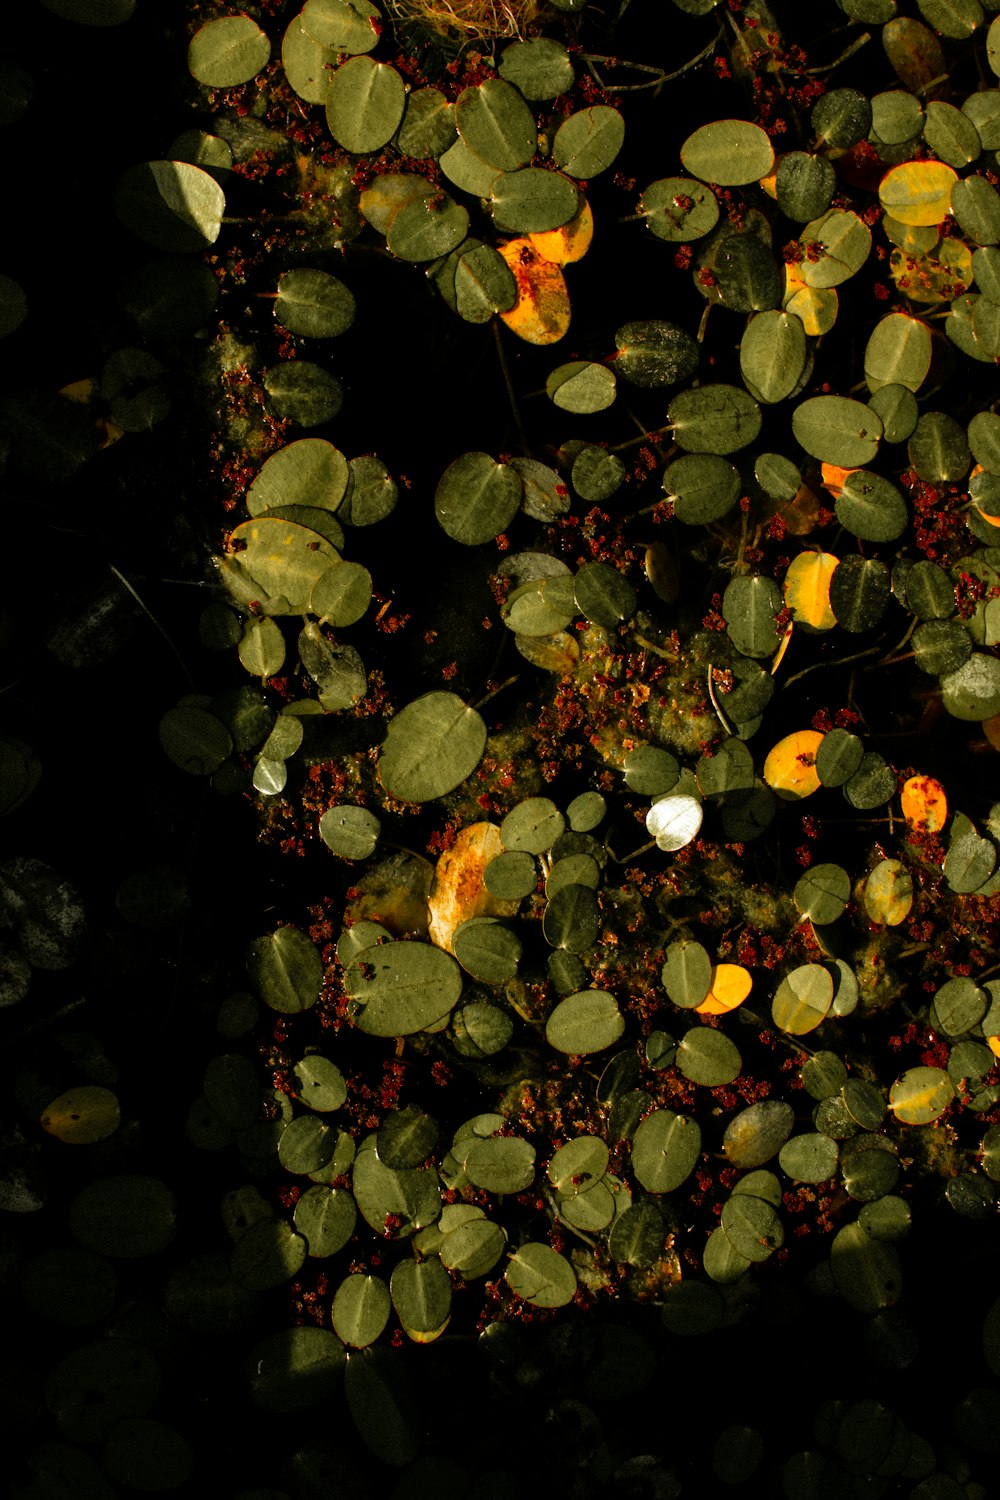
(430, 748)
(585, 1022)
(728, 152)
(228, 52)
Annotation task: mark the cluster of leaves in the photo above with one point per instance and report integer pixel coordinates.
(545, 1068)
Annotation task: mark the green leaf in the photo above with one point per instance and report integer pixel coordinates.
(314, 304)
(476, 498)
(823, 892)
(687, 973)
(319, 1083)
(714, 419)
(495, 123)
(804, 184)
(170, 204)
(421, 1294)
(364, 104)
(467, 171)
(499, 1164)
(758, 1133)
(483, 283)
(802, 999)
(728, 152)
(969, 862)
(581, 386)
(539, 68)
(541, 1276)
(351, 832)
(341, 595)
(974, 202)
(361, 1307)
(837, 430)
(309, 472)
(530, 200)
(703, 487)
(809, 1158)
(843, 117)
(262, 648)
(428, 127)
(532, 826)
(839, 244)
(728, 769)
(587, 142)
(578, 1166)
(665, 1150)
(973, 691)
(603, 595)
(487, 949)
(859, 592)
(938, 448)
(431, 746)
(299, 391)
(427, 228)
(372, 492)
(296, 1368)
(228, 52)
(473, 1248)
(898, 352)
(194, 739)
(583, 1023)
(342, 25)
(596, 474)
(382, 1406)
(870, 507)
(708, 1057)
(679, 209)
(654, 353)
(752, 1226)
(749, 606)
(400, 988)
(773, 355)
(13, 305)
(307, 63)
(338, 671)
(126, 1216)
(286, 969)
(866, 1271)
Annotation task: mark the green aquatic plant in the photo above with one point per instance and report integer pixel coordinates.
(605, 550)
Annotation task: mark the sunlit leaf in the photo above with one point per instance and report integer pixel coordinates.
(806, 590)
(918, 192)
(790, 767)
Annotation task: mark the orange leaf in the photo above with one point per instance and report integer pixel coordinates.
(924, 803)
(833, 478)
(807, 589)
(541, 313)
(730, 985)
(790, 767)
(459, 890)
(570, 241)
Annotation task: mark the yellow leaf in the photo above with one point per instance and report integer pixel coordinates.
(889, 893)
(790, 767)
(807, 589)
(937, 277)
(83, 1115)
(541, 313)
(816, 306)
(925, 805)
(730, 985)
(920, 1095)
(569, 242)
(918, 192)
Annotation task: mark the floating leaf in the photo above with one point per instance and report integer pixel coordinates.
(82, 1115)
(581, 386)
(925, 805)
(588, 141)
(665, 1150)
(314, 304)
(703, 487)
(918, 192)
(655, 353)
(586, 1022)
(888, 894)
(728, 152)
(679, 209)
(570, 241)
(228, 52)
(361, 1307)
(920, 1095)
(806, 590)
(400, 988)
(365, 101)
(673, 821)
(541, 313)
(773, 355)
(541, 1276)
(758, 1133)
(344, 25)
(539, 67)
(837, 430)
(494, 122)
(729, 986)
(802, 999)
(171, 204)
(822, 893)
(708, 1057)
(421, 1294)
(431, 746)
(790, 767)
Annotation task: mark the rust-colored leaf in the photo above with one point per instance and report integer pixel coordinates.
(541, 313)
(459, 891)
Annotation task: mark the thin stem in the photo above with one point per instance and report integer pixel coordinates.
(151, 617)
(511, 394)
(840, 661)
(498, 689)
